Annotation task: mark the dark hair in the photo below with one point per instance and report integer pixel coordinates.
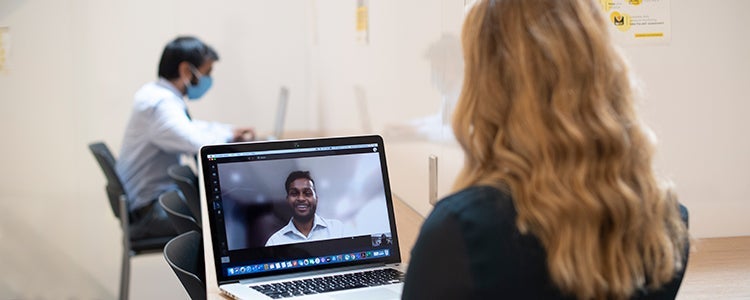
(184, 48)
(297, 175)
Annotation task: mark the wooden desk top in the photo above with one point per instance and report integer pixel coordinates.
(408, 223)
(718, 268)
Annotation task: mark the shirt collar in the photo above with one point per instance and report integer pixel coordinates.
(163, 82)
(317, 221)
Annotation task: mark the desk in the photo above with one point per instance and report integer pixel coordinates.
(718, 268)
(408, 223)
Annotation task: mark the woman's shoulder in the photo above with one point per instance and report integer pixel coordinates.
(499, 256)
(477, 209)
(478, 200)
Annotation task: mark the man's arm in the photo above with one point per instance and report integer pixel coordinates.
(243, 134)
(174, 132)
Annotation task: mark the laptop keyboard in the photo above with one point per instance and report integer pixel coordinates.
(330, 283)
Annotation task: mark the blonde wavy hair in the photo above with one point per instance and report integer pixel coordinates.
(546, 113)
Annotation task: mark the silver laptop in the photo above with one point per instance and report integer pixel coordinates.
(364, 113)
(309, 218)
(278, 126)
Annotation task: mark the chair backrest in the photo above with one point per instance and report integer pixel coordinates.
(187, 181)
(178, 212)
(184, 254)
(114, 186)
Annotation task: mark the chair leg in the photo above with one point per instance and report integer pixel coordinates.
(126, 252)
(125, 275)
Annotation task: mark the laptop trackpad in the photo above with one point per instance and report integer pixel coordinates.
(368, 294)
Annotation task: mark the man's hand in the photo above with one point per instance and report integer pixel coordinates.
(244, 134)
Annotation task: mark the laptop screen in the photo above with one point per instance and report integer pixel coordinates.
(289, 206)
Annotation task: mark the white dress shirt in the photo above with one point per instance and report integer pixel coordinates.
(158, 132)
(322, 229)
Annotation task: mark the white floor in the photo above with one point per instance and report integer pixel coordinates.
(49, 250)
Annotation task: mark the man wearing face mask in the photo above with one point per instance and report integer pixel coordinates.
(160, 130)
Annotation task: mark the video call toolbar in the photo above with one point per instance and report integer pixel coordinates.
(311, 261)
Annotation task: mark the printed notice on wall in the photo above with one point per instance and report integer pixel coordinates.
(4, 48)
(363, 23)
(638, 22)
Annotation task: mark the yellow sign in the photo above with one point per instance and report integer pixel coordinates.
(638, 21)
(4, 47)
(363, 30)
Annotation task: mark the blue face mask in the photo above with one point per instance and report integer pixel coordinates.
(197, 90)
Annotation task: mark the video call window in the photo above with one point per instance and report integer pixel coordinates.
(345, 198)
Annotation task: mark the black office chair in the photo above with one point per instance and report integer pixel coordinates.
(184, 254)
(118, 201)
(178, 212)
(187, 181)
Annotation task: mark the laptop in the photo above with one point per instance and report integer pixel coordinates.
(306, 218)
(364, 114)
(281, 106)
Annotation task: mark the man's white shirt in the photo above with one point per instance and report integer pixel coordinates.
(158, 132)
(322, 229)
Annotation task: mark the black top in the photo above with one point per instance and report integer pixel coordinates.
(470, 248)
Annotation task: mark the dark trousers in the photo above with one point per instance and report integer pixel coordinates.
(150, 221)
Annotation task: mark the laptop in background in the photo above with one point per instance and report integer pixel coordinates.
(364, 113)
(278, 125)
(352, 251)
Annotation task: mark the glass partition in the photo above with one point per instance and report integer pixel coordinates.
(393, 68)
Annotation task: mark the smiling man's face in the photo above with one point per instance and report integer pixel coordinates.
(302, 199)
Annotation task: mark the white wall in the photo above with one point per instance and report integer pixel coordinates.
(696, 101)
(74, 65)
(390, 68)
(72, 70)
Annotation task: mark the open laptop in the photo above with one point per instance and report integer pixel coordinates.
(364, 113)
(278, 126)
(278, 123)
(259, 197)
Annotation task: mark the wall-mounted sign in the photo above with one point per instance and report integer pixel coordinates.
(363, 26)
(634, 22)
(4, 47)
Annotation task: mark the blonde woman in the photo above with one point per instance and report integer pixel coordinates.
(557, 197)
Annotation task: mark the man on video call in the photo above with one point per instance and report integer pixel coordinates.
(305, 224)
